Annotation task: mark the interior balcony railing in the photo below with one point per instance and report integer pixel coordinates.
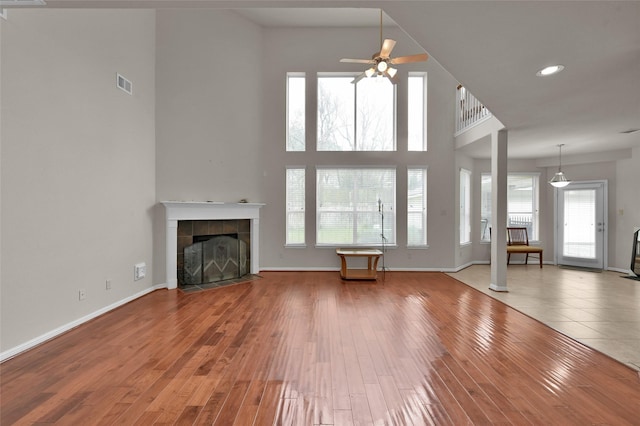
(469, 110)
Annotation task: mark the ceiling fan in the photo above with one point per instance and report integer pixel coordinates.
(381, 62)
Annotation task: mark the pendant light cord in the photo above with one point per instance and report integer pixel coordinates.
(560, 158)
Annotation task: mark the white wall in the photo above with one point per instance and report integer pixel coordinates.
(209, 65)
(77, 166)
(221, 133)
(626, 210)
(208, 112)
(319, 50)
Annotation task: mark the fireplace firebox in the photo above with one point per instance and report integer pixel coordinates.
(209, 251)
(213, 258)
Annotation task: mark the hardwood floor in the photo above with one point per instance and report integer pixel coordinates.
(309, 349)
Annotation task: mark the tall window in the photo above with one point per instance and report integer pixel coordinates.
(351, 204)
(416, 206)
(295, 189)
(465, 206)
(295, 111)
(355, 117)
(522, 203)
(417, 115)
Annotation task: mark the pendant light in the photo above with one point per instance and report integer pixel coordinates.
(559, 180)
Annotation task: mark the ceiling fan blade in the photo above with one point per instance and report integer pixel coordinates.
(387, 47)
(357, 61)
(406, 59)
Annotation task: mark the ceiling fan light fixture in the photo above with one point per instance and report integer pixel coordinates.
(382, 66)
(392, 72)
(550, 70)
(370, 72)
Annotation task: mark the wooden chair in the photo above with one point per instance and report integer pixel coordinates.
(518, 242)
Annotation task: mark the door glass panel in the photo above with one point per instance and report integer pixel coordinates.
(579, 224)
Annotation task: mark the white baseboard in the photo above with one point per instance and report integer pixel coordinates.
(622, 271)
(333, 269)
(298, 269)
(10, 353)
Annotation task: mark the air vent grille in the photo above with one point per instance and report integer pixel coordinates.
(124, 84)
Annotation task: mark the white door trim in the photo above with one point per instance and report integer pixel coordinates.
(605, 213)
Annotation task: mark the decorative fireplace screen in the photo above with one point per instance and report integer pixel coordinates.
(217, 258)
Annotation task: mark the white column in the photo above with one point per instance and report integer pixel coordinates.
(172, 261)
(255, 246)
(499, 211)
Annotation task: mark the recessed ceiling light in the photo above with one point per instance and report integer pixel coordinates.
(550, 70)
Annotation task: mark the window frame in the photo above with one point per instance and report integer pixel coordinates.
(423, 207)
(465, 206)
(534, 229)
(288, 144)
(354, 120)
(289, 210)
(413, 147)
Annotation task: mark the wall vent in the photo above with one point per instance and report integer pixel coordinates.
(12, 3)
(124, 84)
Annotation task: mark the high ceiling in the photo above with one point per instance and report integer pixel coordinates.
(494, 48)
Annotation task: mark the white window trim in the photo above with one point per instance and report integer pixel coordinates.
(303, 244)
(465, 216)
(426, 208)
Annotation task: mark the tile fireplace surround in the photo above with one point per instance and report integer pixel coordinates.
(208, 210)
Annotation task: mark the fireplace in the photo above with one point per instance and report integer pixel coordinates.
(214, 216)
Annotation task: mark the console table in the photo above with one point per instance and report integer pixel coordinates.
(372, 255)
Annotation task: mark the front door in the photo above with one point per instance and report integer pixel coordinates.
(581, 228)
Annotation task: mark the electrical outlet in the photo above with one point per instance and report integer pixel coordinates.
(82, 294)
(108, 285)
(139, 271)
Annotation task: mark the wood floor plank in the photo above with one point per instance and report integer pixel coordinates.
(307, 348)
(270, 404)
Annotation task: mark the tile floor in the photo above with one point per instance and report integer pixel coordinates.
(599, 309)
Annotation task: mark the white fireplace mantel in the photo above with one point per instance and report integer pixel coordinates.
(208, 210)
